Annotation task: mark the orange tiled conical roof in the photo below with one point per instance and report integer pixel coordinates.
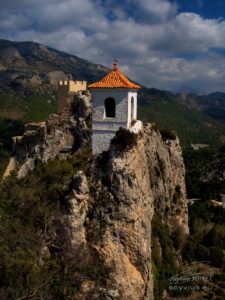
(115, 79)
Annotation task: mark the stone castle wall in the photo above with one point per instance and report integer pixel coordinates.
(66, 86)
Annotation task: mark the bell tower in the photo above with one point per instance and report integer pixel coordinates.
(114, 100)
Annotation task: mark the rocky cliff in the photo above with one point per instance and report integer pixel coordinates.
(118, 199)
(60, 136)
(111, 204)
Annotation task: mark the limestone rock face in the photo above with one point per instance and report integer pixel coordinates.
(61, 135)
(79, 206)
(127, 214)
(114, 228)
(167, 178)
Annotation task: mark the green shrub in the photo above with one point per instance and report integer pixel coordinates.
(219, 277)
(216, 237)
(95, 230)
(167, 134)
(124, 139)
(197, 162)
(217, 257)
(222, 148)
(202, 252)
(102, 160)
(31, 218)
(178, 237)
(163, 257)
(199, 211)
(188, 253)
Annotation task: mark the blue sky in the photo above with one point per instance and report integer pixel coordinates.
(174, 45)
(206, 8)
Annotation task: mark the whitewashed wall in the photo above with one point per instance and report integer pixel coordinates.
(104, 129)
(121, 98)
(101, 140)
(132, 114)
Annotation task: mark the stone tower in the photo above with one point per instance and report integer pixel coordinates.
(114, 100)
(65, 87)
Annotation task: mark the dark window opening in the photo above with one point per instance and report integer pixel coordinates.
(132, 108)
(110, 108)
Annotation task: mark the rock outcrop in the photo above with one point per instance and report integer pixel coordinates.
(60, 136)
(167, 178)
(116, 202)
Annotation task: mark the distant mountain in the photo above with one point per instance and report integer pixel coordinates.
(196, 119)
(212, 104)
(29, 64)
(28, 77)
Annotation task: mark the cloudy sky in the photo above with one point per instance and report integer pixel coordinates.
(175, 45)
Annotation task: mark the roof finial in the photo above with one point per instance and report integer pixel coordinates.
(115, 65)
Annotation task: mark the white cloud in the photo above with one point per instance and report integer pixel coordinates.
(22, 5)
(154, 44)
(156, 10)
(13, 21)
(80, 14)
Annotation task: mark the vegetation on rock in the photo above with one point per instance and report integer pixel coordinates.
(199, 167)
(124, 139)
(192, 125)
(33, 236)
(163, 257)
(167, 134)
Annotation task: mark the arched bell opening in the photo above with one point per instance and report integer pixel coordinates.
(110, 108)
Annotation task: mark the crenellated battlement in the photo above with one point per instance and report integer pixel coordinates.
(73, 85)
(66, 86)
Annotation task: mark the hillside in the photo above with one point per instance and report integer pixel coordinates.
(195, 120)
(213, 104)
(28, 79)
(29, 58)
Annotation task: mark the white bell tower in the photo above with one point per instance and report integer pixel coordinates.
(114, 100)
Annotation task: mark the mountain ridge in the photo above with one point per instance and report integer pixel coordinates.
(33, 64)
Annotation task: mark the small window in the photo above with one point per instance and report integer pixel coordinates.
(110, 108)
(132, 109)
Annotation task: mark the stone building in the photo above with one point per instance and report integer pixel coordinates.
(66, 86)
(114, 101)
